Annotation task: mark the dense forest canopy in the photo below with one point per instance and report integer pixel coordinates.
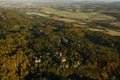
(46, 49)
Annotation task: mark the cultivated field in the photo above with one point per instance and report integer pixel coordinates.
(78, 15)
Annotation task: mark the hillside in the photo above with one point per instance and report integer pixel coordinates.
(45, 49)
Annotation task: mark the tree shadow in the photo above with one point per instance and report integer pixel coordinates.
(75, 76)
(51, 76)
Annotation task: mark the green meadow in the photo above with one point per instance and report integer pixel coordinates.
(80, 15)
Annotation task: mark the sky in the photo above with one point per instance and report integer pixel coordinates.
(63, 0)
(103, 0)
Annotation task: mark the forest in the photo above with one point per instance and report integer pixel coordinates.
(47, 49)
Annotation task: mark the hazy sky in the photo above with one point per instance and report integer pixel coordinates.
(102, 0)
(63, 0)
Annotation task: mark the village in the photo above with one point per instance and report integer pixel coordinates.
(57, 58)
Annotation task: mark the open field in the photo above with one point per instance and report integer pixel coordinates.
(116, 24)
(52, 17)
(39, 14)
(108, 31)
(113, 33)
(75, 16)
(102, 17)
(78, 15)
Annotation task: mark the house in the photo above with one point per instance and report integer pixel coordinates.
(58, 55)
(48, 54)
(41, 31)
(38, 60)
(64, 40)
(63, 59)
(76, 64)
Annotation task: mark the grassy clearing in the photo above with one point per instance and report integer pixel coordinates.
(110, 32)
(79, 15)
(73, 15)
(39, 14)
(94, 29)
(113, 33)
(102, 17)
(116, 24)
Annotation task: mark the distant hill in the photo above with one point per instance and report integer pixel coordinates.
(116, 3)
(41, 0)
